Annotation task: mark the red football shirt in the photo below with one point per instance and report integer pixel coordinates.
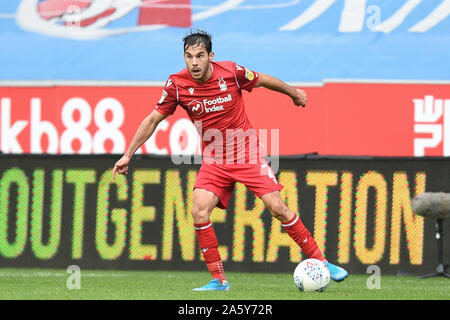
(217, 110)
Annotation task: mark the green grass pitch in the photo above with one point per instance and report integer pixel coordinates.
(40, 284)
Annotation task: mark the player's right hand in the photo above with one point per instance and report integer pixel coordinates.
(121, 166)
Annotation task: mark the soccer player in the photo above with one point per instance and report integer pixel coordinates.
(211, 94)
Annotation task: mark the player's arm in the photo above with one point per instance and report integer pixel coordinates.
(143, 133)
(298, 96)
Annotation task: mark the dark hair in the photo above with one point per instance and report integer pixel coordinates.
(196, 38)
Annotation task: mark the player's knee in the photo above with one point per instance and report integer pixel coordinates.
(200, 213)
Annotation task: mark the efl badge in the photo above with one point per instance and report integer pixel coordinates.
(249, 74)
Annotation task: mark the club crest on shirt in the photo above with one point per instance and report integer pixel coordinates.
(222, 85)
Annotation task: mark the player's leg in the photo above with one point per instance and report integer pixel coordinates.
(204, 202)
(260, 179)
(292, 224)
(298, 232)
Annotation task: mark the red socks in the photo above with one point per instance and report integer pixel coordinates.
(298, 232)
(207, 241)
(210, 249)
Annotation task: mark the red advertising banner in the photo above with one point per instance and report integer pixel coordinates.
(377, 119)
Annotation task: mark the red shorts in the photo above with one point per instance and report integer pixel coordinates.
(220, 179)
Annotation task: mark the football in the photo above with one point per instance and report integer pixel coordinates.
(311, 275)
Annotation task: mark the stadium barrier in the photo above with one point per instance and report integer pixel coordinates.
(57, 211)
(88, 117)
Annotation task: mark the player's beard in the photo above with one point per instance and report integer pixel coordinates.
(198, 76)
(202, 74)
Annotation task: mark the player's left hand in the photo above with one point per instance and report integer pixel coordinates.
(121, 166)
(300, 98)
